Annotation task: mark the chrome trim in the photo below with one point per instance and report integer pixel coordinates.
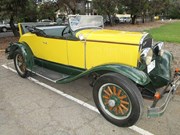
(144, 36)
(158, 111)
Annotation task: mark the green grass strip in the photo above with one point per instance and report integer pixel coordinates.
(167, 33)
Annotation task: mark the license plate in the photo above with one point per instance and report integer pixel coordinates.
(151, 66)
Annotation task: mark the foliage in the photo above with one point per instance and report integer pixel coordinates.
(158, 7)
(106, 7)
(19, 9)
(174, 10)
(136, 8)
(168, 33)
(69, 4)
(10, 9)
(47, 10)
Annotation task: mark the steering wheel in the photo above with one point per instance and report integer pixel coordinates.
(66, 30)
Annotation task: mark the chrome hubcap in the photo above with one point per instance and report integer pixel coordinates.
(111, 103)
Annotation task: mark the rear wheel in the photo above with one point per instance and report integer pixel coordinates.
(118, 99)
(19, 63)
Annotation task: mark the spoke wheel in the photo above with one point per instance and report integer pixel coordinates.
(114, 101)
(118, 99)
(20, 65)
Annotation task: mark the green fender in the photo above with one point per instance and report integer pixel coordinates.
(137, 76)
(26, 51)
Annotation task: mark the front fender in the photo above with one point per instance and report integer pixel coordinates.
(137, 76)
(26, 51)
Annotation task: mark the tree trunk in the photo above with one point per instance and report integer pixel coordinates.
(13, 28)
(143, 19)
(152, 18)
(110, 19)
(133, 17)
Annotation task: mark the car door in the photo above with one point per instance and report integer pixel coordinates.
(54, 50)
(76, 53)
(76, 50)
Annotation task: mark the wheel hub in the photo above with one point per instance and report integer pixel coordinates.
(111, 103)
(116, 100)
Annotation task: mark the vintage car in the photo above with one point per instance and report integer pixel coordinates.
(122, 66)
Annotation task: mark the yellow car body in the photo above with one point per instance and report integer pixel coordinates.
(97, 51)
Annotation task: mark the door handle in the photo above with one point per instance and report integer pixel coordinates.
(45, 43)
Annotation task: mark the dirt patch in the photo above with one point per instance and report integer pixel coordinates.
(4, 42)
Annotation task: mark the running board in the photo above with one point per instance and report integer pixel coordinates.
(47, 74)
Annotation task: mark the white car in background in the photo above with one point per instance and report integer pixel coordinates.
(124, 19)
(4, 27)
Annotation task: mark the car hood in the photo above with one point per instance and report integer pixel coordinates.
(114, 36)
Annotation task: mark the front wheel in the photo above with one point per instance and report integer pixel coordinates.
(20, 65)
(118, 99)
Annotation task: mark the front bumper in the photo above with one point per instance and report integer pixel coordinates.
(170, 90)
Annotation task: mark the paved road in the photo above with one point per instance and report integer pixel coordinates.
(28, 108)
(6, 34)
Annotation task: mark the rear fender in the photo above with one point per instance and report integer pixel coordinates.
(26, 51)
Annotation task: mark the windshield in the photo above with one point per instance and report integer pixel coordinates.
(84, 21)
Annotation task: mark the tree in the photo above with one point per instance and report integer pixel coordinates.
(70, 4)
(174, 10)
(12, 9)
(106, 7)
(136, 8)
(157, 7)
(30, 12)
(47, 10)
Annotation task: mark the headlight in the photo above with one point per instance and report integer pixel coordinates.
(147, 55)
(157, 48)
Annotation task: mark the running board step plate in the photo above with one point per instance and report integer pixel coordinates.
(48, 74)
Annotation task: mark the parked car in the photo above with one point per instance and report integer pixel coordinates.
(124, 19)
(46, 20)
(122, 66)
(4, 27)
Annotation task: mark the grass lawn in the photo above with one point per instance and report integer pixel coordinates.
(168, 33)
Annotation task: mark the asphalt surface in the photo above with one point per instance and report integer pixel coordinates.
(27, 108)
(6, 34)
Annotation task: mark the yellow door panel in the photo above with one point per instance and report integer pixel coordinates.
(98, 53)
(50, 49)
(34, 42)
(76, 53)
(55, 50)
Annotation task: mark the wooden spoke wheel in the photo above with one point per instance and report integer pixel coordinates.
(114, 101)
(118, 99)
(20, 65)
